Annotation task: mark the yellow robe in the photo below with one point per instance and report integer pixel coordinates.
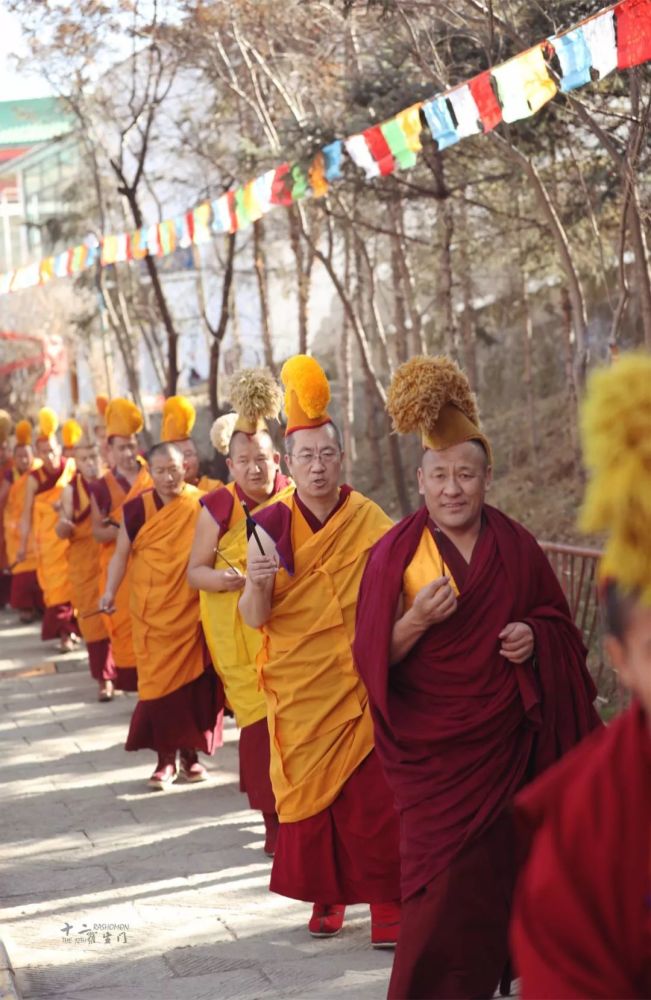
(234, 646)
(12, 516)
(83, 567)
(167, 635)
(318, 711)
(52, 551)
(206, 484)
(426, 565)
(118, 625)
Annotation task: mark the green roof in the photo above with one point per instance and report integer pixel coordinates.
(25, 123)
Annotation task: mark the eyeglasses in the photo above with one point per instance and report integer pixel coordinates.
(326, 456)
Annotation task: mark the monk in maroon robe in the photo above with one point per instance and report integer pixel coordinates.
(477, 680)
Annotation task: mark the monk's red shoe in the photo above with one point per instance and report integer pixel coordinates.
(385, 924)
(327, 919)
(165, 773)
(191, 770)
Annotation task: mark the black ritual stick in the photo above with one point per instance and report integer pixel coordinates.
(250, 523)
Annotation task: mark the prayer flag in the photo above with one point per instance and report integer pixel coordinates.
(92, 253)
(633, 19)
(280, 189)
(360, 154)
(109, 250)
(441, 125)
(317, 176)
(490, 112)
(202, 216)
(380, 149)
(263, 189)
(167, 236)
(575, 59)
(332, 154)
(62, 264)
(465, 111)
(121, 248)
(139, 244)
(402, 134)
(26, 277)
(78, 258)
(524, 85)
(183, 231)
(151, 236)
(46, 270)
(300, 185)
(599, 34)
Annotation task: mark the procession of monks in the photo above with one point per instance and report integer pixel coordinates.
(405, 694)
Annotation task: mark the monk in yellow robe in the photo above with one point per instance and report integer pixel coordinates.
(42, 496)
(127, 478)
(180, 707)
(179, 416)
(84, 563)
(338, 836)
(26, 596)
(6, 465)
(217, 566)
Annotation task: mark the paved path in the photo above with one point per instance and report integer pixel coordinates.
(173, 885)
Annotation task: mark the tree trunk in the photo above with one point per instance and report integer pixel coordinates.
(218, 332)
(345, 372)
(468, 316)
(567, 326)
(260, 263)
(303, 274)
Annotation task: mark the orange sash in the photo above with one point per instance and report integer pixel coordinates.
(52, 551)
(118, 625)
(167, 636)
(318, 711)
(83, 566)
(12, 517)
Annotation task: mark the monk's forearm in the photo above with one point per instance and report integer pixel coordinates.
(255, 605)
(406, 633)
(116, 570)
(206, 578)
(105, 532)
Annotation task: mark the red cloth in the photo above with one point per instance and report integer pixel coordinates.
(633, 21)
(254, 766)
(219, 503)
(26, 594)
(380, 149)
(347, 853)
(59, 622)
(582, 905)
(455, 724)
(486, 100)
(436, 937)
(126, 678)
(100, 660)
(190, 718)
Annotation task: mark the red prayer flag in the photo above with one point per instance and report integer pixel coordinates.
(490, 111)
(281, 188)
(633, 20)
(380, 149)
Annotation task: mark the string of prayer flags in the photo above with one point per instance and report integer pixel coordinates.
(575, 59)
(440, 121)
(633, 33)
(490, 111)
(524, 85)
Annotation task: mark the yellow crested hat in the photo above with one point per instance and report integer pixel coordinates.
(179, 416)
(616, 436)
(432, 397)
(123, 418)
(5, 426)
(48, 423)
(71, 433)
(307, 393)
(256, 397)
(23, 432)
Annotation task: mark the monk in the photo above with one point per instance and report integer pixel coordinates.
(338, 836)
(180, 706)
(127, 477)
(42, 495)
(477, 679)
(179, 416)
(217, 568)
(581, 915)
(84, 564)
(6, 465)
(26, 596)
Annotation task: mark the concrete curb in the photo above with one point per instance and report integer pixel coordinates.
(8, 986)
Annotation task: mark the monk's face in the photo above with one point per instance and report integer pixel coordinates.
(87, 462)
(23, 457)
(454, 482)
(253, 464)
(631, 655)
(123, 453)
(314, 461)
(166, 469)
(190, 455)
(49, 451)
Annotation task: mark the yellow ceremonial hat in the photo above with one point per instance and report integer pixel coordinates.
(432, 396)
(71, 433)
(616, 435)
(307, 393)
(123, 418)
(23, 432)
(5, 426)
(48, 423)
(256, 397)
(179, 416)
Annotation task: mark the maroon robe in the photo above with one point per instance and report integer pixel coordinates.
(582, 910)
(459, 730)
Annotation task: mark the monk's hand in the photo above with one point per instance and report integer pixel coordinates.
(230, 579)
(261, 569)
(65, 528)
(434, 603)
(517, 642)
(107, 602)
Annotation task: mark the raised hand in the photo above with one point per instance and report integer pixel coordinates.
(518, 642)
(434, 603)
